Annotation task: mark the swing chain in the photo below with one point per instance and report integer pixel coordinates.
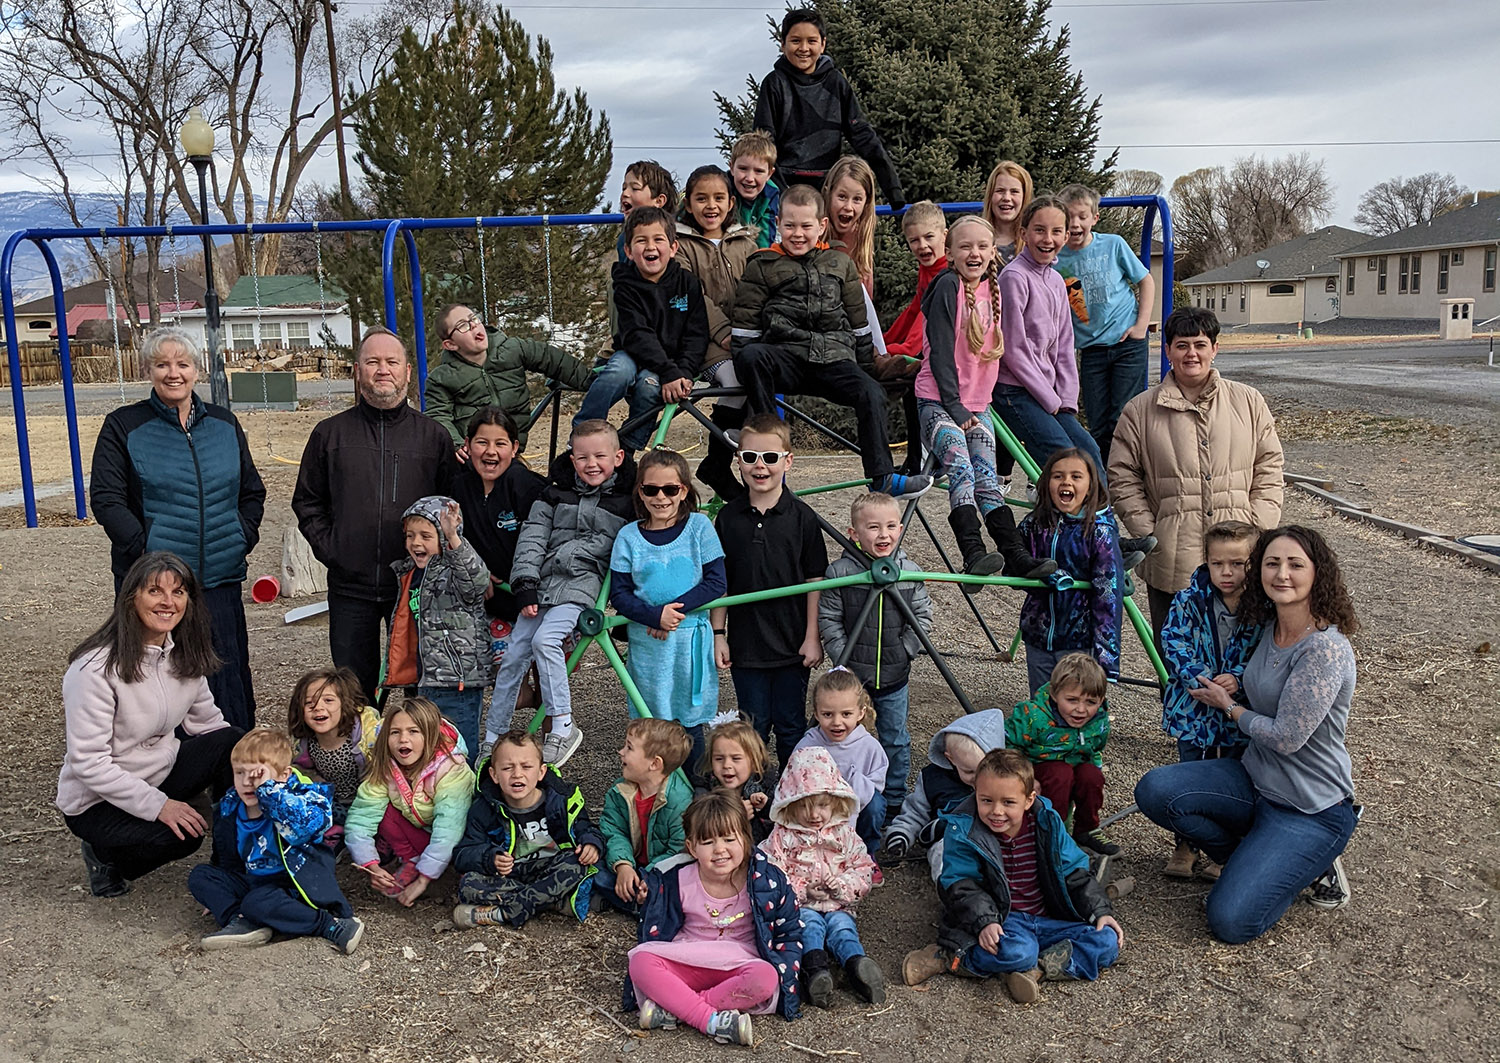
(323, 329)
(484, 283)
(547, 254)
(176, 289)
(113, 307)
(265, 397)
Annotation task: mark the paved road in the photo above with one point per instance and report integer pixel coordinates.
(99, 399)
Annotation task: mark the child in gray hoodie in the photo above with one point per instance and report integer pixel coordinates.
(953, 757)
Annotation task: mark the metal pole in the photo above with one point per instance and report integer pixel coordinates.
(218, 380)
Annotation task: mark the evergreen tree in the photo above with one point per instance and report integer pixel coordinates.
(953, 88)
(470, 122)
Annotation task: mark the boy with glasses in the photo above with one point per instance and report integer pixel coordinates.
(771, 539)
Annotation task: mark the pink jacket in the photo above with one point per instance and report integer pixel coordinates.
(829, 868)
(120, 736)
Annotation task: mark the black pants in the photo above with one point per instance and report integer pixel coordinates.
(1157, 604)
(136, 846)
(265, 900)
(765, 370)
(231, 684)
(354, 636)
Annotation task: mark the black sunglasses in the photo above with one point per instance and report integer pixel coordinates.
(770, 457)
(670, 490)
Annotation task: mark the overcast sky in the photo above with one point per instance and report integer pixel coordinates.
(1185, 83)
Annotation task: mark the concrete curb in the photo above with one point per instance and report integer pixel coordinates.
(1433, 540)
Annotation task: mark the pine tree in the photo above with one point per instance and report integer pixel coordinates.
(470, 122)
(953, 88)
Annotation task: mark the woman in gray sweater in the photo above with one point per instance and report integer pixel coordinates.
(1279, 819)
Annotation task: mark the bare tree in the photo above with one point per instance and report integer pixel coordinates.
(1222, 214)
(1401, 202)
(1127, 220)
(1200, 220)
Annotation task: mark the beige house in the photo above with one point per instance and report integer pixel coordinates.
(1282, 285)
(1406, 274)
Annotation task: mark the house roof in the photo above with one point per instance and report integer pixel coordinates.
(189, 290)
(283, 290)
(1296, 258)
(1478, 223)
(99, 312)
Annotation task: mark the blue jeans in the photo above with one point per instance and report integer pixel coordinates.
(871, 822)
(1109, 376)
(890, 728)
(1023, 937)
(620, 378)
(1270, 852)
(1187, 753)
(1041, 432)
(461, 707)
(1039, 665)
(775, 699)
(833, 931)
(604, 890)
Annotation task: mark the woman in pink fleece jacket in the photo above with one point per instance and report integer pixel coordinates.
(1036, 390)
(126, 778)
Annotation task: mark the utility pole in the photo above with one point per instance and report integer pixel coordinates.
(346, 207)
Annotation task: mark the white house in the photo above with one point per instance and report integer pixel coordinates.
(1281, 285)
(290, 313)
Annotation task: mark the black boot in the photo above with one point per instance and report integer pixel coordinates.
(1018, 561)
(866, 978)
(817, 978)
(716, 468)
(964, 520)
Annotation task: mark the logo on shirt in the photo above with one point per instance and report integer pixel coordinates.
(678, 302)
(507, 521)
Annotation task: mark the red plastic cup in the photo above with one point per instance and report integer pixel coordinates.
(265, 589)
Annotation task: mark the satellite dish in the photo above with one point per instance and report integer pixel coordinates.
(1261, 263)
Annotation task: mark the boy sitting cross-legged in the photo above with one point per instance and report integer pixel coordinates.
(642, 818)
(800, 327)
(270, 872)
(528, 845)
(1018, 898)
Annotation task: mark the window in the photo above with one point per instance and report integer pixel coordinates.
(1380, 276)
(1349, 287)
(1242, 298)
(242, 337)
(45, 326)
(297, 334)
(1331, 285)
(1489, 269)
(1458, 257)
(270, 334)
(1442, 273)
(1281, 289)
(1371, 264)
(1401, 275)
(1223, 297)
(1416, 274)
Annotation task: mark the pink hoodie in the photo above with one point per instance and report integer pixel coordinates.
(829, 867)
(1038, 330)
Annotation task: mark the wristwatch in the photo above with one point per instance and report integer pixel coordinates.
(721, 631)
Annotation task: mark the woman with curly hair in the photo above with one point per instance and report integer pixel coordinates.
(1279, 819)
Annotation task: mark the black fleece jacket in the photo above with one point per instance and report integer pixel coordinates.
(662, 325)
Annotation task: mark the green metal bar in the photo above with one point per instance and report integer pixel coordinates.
(632, 691)
(843, 485)
(1008, 440)
(665, 422)
(1143, 632)
(1015, 644)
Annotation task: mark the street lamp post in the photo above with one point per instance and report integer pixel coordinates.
(198, 142)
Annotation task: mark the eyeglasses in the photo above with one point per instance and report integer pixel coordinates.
(770, 457)
(670, 490)
(466, 325)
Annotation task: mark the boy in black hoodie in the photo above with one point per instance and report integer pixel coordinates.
(661, 328)
(810, 108)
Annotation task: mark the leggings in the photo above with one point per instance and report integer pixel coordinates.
(693, 994)
(967, 457)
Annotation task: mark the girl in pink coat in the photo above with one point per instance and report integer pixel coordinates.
(826, 863)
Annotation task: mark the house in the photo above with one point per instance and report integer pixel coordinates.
(1405, 274)
(36, 321)
(1281, 285)
(278, 312)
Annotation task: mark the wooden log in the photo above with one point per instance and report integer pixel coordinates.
(1317, 481)
(1483, 558)
(1410, 531)
(301, 572)
(1336, 501)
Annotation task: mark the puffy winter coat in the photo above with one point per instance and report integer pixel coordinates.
(621, 828)
(828, 866)
(1084, 620)
(301, 811)
(882, 654)
(973, 888)
(938, 784)
(1177, 467)
(447, 637)
(563, 552)
(194, 491)
(718, 268)
(761, 214)
(436, 801)
(457, 389)
(1190, 649)
(812, 304)
(1035, 728)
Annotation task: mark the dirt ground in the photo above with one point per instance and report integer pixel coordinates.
(1408, 969)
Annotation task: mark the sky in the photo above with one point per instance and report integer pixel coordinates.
(1376, 88)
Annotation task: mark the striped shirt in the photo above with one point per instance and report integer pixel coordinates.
(1018, 856)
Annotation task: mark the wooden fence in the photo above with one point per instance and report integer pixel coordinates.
(96, 363)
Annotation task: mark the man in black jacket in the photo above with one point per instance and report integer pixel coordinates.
(360, 470)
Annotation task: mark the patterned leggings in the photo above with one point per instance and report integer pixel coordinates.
(968, 458)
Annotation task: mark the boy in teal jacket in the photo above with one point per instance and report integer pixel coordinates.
(642, 817)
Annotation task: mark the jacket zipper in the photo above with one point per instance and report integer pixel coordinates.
(380, 511)
(198, 474)
(1056, 600)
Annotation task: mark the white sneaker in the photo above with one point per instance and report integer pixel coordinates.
(730, 1028)
(556, 748)
(655, 1017)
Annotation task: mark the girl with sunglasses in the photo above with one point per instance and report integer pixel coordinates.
(664, 569)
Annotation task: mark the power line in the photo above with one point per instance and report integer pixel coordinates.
(1243, 144)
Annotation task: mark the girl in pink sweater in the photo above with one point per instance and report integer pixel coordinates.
(961, 361)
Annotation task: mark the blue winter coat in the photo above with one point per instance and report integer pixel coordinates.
(1190, 649)
(773, 906)
(1083, 620)
(194, 491)
(973, 886)
(301, 811)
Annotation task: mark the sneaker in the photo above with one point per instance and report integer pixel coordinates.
(1210, 871)
(1024, 986)
(1331, 889)
(922, 964)
(1143, 546)
(1131, 559)
(469, 916)
(878, 877)
(345, 934)
(903, 486)
(1053, 961)
(556, 748)
(238, 933)
(730, 1028)
(1095, 841)
(1180, 863)
(104, 879)
(655, 1017)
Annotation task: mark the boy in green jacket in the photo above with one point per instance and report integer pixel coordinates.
(642, 817)
(1062, 731)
